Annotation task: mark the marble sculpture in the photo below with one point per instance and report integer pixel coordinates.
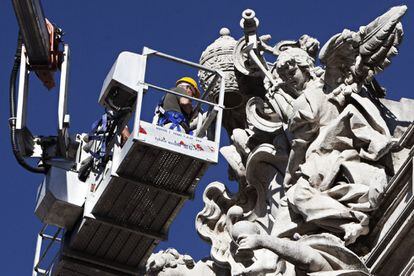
(311, 149)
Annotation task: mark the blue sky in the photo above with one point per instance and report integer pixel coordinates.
(97, 31)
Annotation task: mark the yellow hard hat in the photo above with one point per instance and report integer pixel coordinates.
(192, 82)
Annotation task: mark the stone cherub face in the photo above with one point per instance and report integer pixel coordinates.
(293, 68)
(169, 263)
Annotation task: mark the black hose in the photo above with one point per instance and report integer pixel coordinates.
(12, 119)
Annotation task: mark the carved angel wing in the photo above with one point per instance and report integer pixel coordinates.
(212, 223)
(355, 57)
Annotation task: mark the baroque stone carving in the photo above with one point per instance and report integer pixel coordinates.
(170, 263)
(313, 155)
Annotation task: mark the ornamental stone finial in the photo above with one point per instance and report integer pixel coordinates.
(224, 31)
(219, 55)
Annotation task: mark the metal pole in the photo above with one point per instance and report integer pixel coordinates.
(138, 105)
(137, 118)
(147, 51)
(42, 230)
(63, 89)
(48, 237)
(63, 117)
(22, 92)
(178, 94)
(209, 88)
(220, 110)
(207, 122)
(51, 263)
(37, 253)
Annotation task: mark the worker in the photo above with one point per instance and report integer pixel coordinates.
(175, 112)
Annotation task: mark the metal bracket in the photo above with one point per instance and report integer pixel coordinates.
(148, 51)
(28, 143)
(63, 117)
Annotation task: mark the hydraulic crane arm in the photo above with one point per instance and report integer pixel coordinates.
(38, 51)
(41, 39)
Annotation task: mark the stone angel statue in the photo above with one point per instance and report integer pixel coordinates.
(336, 168)
(312, 158)
(338, 134)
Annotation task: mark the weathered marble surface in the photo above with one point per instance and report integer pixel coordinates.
(313, 154)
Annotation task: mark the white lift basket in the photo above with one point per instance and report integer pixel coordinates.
(141, 190)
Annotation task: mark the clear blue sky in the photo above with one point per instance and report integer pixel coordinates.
(98, 31)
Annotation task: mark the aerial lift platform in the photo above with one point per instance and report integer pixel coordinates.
(135, 194)
(143, 187)
(106, 203)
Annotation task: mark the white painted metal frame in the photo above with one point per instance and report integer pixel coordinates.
(216, 113)
(22, 92)
(105, 177)
(22, 98)
(63, 89)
